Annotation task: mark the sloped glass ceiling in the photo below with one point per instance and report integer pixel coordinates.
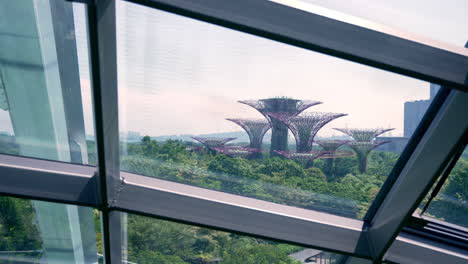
(220, 109)
(440, 23)
(159, 241)
(45, 91)
(50, 233)
(450, 203)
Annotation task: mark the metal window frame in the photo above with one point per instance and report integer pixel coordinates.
(111, 191)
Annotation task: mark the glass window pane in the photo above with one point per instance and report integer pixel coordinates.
(451, 202)
(160, 241)
(45, 98)
(44, 232)
(440, 22)
(189, 91)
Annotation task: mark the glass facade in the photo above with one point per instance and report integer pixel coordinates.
(451, 202)
(303, 140)
(160, 241)
(431, 19)
(211, 107)
(44, 87)
(44, 232)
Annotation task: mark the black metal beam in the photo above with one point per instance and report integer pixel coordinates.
(48, 180)
(103, 53)
(319, 33)
(429, 159)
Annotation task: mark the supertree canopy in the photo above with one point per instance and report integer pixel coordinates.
(255, 128)
(332, 146)
(362, 150)
(363, 134)
(212, 143)
(305, 159)
(284, 105)
(306, 126)
(236, 151)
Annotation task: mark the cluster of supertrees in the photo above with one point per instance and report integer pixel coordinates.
(282, 114)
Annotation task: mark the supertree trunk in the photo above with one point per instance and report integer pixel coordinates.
(279, 137)
(362, 162)
(332, 146)
(329, 168)
(285, 106)
(362, 150)
(256, 129)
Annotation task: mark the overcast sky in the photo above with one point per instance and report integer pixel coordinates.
(181, 76)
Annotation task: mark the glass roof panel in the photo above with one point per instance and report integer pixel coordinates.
(45, 98)
(44, 232)
(434, 22)
(189, 91)
(451, 202)
(160, 241)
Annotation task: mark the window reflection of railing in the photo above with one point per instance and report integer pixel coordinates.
(324, 258)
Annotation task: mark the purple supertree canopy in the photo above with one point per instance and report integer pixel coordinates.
(236, 151)
(213, 142)
(306, 126)
(364, 134)
(338, 154)
(255, 128)
(331, 145)
(287, 106)
(365, 147)
(303, 158)
(290, 106)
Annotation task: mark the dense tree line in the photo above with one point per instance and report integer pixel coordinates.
(284, 181)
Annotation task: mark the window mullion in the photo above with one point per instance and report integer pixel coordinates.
(102, 30)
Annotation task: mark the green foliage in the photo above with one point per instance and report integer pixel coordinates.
(17, 232)
(281, 167)
(159, 241)
(274, 179)
(231, 166)
(451, 204)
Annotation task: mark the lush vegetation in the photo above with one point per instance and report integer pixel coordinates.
(279, 180)
(346, 192)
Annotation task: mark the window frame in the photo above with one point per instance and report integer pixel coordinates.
(111, 191)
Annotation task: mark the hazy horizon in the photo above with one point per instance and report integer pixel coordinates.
(182, 76)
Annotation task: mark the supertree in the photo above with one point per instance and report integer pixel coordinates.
(212, 143)
(362, 150)
(332, 147)
(256, 129)
(306, 159)
(364, 134)
(306, 126)
(236, 151)
(287, 106)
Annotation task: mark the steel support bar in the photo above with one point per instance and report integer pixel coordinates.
(48, 180)
(412, 249)
(320, 33)
(225, 211)
(103, 50)
(420, 172)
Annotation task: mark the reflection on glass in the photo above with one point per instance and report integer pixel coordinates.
(159, 241)
(44, 85)
(216, 108)
(43, 232)
(433, 19)
(451, 203)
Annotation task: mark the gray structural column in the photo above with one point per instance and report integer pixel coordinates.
(103, 50)
(38, 65)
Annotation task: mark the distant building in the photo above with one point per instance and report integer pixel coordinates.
(396, 144)
(415, 110)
